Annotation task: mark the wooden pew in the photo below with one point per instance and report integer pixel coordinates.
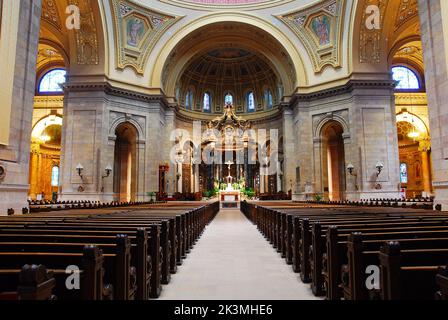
(409, 274)
(90, 262)
(32, 282)
(117, 260)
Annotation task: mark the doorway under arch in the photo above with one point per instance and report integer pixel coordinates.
(333, 161)
(125, 163)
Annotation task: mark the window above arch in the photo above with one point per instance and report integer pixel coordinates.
(250, 101)
(55, 176)
(268, 99)
(51, 82)
(228, 99)
(189, 100)
(207, 102)
(407, 79)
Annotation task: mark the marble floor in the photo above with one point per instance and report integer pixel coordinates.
(232, 261)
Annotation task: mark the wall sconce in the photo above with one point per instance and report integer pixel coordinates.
(379, 167)
(351, 171)
(108, 171)
(80, 169)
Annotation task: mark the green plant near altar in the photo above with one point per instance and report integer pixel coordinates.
(248, 192)
(151, 195)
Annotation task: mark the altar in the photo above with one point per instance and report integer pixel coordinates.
(229, 199)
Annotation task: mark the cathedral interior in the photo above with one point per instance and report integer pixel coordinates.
(138, 101)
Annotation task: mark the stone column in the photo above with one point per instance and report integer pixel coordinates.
(20, 25)
(289, 147)
(279, 179)
(196, 178)
(179, 177)
(434, 34)
(262, 180)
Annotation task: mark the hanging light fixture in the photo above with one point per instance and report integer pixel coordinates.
(44, 138)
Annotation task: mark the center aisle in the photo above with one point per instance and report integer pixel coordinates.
(232, 261)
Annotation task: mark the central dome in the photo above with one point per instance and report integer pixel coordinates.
(229, 73)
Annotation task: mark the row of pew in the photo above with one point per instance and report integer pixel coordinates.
(118, 253)
(48, 206)
(353, 253)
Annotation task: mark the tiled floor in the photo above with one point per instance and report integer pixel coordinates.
(232, 261)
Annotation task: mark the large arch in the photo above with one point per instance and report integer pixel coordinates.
(282, 41)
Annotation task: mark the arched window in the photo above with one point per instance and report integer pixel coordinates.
(207, 102)
(403, 173)
(250, 101)
(228, 99)
(52, 80)
(189, 100)
(55, 176)
(268, 99)
(407, 79)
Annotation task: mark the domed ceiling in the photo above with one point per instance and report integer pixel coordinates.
(234, 71)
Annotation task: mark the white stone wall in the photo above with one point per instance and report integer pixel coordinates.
(436, 75)
(367, 116)
(15, 156)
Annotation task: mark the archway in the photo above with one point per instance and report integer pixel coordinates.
(210, 41)
(125, 163)
(415, 156)
(333, 161)
(45, 158)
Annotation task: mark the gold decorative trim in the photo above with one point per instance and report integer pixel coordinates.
(149, 27)
(326, 50)
(86, 36)
(370, 48)
(211, 6)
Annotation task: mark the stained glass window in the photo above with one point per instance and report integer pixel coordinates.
(403, 173)
(207, 101)
(189, 100)
(406, 78)
(250, 101)
(55, 176)
(268, 99)
(52, 80)
(228, 99)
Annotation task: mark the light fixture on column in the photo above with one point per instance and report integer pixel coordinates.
(379, 167)
(107, 171)
(80, 169)
(351, 171)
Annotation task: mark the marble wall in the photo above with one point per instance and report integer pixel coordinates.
(15, 155)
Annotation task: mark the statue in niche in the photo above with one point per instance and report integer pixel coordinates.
(135, 31)
(321, 27)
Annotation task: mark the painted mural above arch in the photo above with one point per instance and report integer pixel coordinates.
(319, 27)
(137, 29)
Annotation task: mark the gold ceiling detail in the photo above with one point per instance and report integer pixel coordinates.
(50, 13)
(86, 37)
(229, 120)
(370, 39)
(319, 27)
(408, 9)
(137, 29)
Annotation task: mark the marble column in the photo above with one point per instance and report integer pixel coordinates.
(434, 34)
(19, 38)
